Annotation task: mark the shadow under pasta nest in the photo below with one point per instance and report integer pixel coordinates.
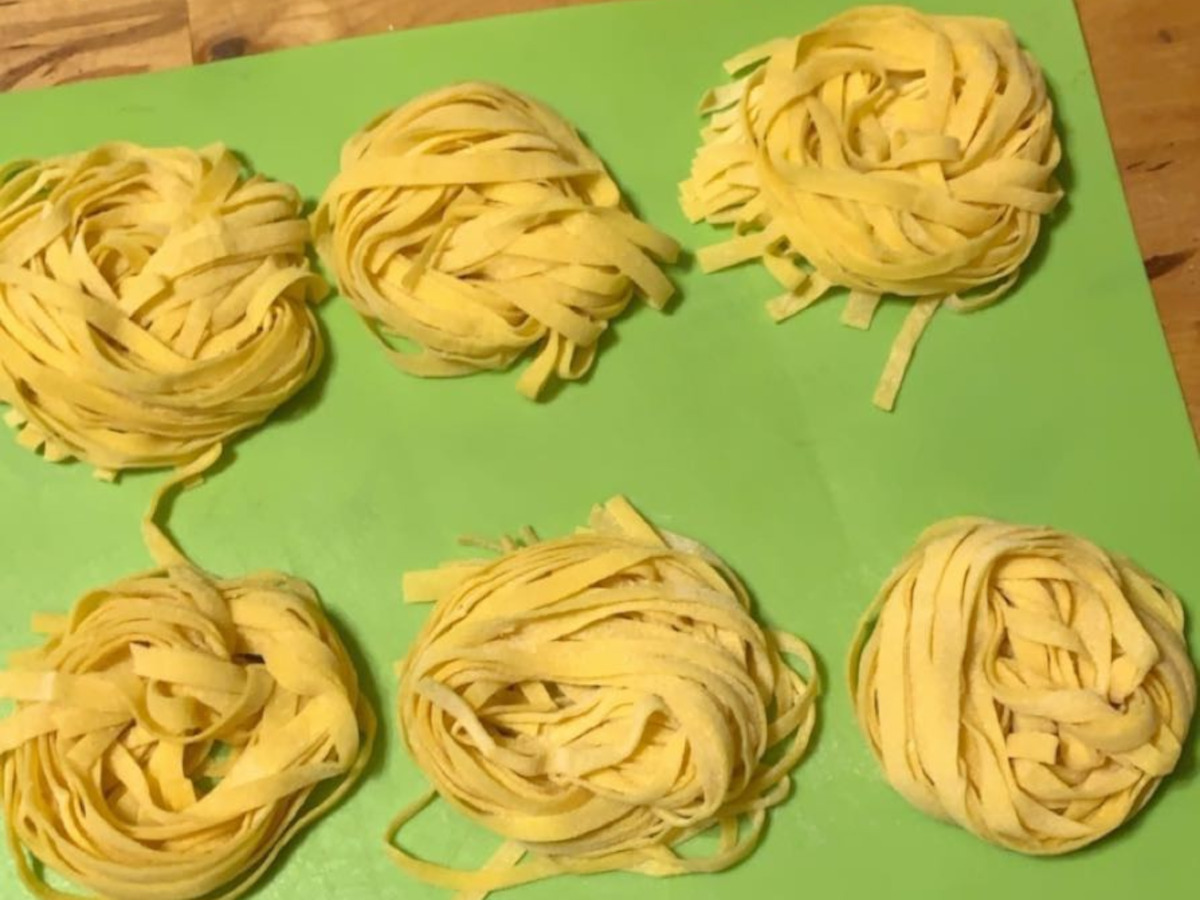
(311, 394)
(1066, 177)
(610, 337)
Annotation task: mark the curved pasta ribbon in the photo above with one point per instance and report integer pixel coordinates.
(153, 303)
(1023, 684)
(888, 152)
(473, 224)
(597, 700)
(176, 730)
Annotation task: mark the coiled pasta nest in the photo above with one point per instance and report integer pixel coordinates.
(888, 152)
(176, 730)
(473, 224)
(1023, 683)
(599, 699)
(153, 303)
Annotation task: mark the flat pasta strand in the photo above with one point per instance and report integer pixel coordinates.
(153, 303)
(176, 730)
(473, 224)
(1023, 684)
(887, 151)
(597, 700)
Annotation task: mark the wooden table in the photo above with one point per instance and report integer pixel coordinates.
(1146, 54)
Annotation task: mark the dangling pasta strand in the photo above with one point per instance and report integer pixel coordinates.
(176, 730)
(153, 303)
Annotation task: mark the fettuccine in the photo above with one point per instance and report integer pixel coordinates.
(597, 700)
(1023, 683)
(176, 730)
(153, 303)
(887, 151)
(473, 224)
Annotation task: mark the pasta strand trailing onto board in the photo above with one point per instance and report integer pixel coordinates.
(597, 700)
(473, 224)
(1023, 684)
(153, 303)
(887, 151)
(176, 730)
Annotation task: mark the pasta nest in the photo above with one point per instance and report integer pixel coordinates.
(1023, 684)
(153, 303)
(887, 151)
(472, 224)
(599, 699)
(169, 734)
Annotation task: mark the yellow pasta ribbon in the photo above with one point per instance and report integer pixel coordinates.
(598, 700)
(1023, 684)
(887, 151)
(153, 303)
(176, 730)
(472, 224)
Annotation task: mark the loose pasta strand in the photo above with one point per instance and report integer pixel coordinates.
(109, 763)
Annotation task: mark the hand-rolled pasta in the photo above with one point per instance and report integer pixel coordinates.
(1023, 683)
(153, 303)
(887, 151)
(472, 224)
(171, 733)
(597, 700)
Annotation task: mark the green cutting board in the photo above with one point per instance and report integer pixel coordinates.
(1059, 406)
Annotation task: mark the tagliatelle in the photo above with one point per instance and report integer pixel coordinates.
(153, 303)
(1023, 683)
(170, 734)
(473, 223)
(887, 151)
(598, 700)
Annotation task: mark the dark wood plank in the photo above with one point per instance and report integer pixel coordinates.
(1146, 57)
(225, 28)
(44, 42)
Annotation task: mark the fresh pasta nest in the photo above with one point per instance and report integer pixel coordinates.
(153, 303)
(597, 700)
(888, 152)
(176, 730)
(1023, 683)
(473, 224)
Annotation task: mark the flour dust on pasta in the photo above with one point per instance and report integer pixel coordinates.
(596, 701)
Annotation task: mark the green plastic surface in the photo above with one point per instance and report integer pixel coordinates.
(1059, 405)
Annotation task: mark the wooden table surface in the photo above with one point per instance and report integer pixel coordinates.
(1146, 56)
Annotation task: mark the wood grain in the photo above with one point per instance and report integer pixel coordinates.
(1146, 57)
(55, 41)
(225, 28)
